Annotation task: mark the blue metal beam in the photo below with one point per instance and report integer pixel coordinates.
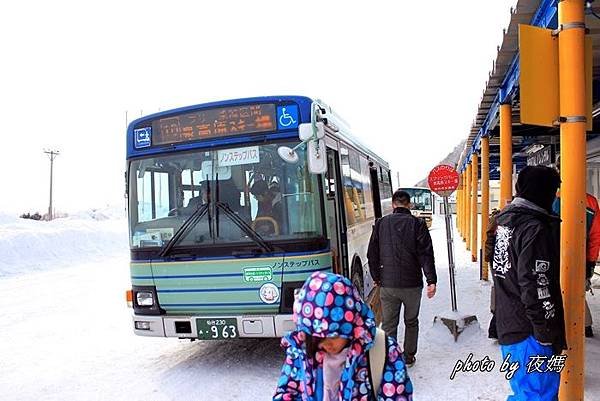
(546, 16)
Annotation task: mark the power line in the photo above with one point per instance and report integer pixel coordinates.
(52, 155)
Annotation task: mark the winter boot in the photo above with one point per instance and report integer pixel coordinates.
(589, 333)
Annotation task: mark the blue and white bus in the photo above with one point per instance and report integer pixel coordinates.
(233, 204)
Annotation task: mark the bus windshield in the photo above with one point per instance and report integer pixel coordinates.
(245, 190)
(420, 198)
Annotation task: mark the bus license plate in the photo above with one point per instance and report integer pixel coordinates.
(216, 329)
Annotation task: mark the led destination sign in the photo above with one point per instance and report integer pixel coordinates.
(214, 123)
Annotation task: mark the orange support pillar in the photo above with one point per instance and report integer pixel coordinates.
(458, 195)
(506, 165)
(485, 200)
(468, 179)
(571, 55)
(462, 204)
(474, 203)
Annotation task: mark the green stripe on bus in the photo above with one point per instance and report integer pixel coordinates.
(206, 297)
(220, 311)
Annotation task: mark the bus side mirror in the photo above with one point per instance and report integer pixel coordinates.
(315, 148)
(316, 156)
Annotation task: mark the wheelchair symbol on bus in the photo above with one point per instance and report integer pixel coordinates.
(287, 116)
(285, 120)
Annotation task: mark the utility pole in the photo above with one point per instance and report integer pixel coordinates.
(398, 179)
(52, 155)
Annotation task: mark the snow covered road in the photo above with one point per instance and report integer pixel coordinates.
(65, 334)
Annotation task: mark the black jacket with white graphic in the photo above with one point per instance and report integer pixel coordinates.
(527, 276)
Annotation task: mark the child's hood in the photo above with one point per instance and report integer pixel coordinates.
(328, 305)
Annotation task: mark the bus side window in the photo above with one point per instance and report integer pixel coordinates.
(354, 197)
(385, 189)
(347, 180)
(368, 196)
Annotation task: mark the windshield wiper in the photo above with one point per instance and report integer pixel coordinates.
(238, 221)
(184, 229)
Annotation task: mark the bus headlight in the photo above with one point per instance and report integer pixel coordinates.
(144, 298)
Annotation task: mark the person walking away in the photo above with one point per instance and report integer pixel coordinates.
(592, 214)
(331, 356)
(490, 242)
(526, 272)
(400, 251)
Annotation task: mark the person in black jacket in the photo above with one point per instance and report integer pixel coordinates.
(529, 308)
(400, 250)
(490, 242)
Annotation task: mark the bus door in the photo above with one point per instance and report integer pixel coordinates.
(373, 170)
(335, 213)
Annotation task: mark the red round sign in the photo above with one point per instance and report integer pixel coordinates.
(443, 180)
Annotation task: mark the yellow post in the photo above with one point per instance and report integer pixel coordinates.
(474, 202)
(458, 195)
(463, 206)
(485, 199)
(506, 165)
(468, 177)
(571, 54)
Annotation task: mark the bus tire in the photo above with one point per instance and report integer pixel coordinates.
(372, 299)
(357, 278)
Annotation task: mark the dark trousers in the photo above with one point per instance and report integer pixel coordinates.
(392, 300)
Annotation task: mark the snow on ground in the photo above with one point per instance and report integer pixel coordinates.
(29, 245)
(438, 353)
(65, 333)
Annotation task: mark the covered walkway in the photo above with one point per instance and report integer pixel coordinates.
(541, 101)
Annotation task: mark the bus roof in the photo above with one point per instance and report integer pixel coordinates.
(304, 110)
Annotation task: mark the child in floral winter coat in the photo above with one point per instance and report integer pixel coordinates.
(327, 356)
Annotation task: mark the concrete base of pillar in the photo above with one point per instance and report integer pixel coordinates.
(455, 322)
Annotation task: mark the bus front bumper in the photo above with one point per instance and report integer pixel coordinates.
(248, 326)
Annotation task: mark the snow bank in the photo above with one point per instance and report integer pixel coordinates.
(6, 218)
(29, 245)
(107, 213)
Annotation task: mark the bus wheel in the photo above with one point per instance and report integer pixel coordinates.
(357, 280)
(371, 299)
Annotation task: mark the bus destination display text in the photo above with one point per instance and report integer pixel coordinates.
(214, 123)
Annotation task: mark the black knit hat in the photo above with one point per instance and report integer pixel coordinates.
(538, 184)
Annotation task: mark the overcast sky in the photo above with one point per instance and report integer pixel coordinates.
(407, 76)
